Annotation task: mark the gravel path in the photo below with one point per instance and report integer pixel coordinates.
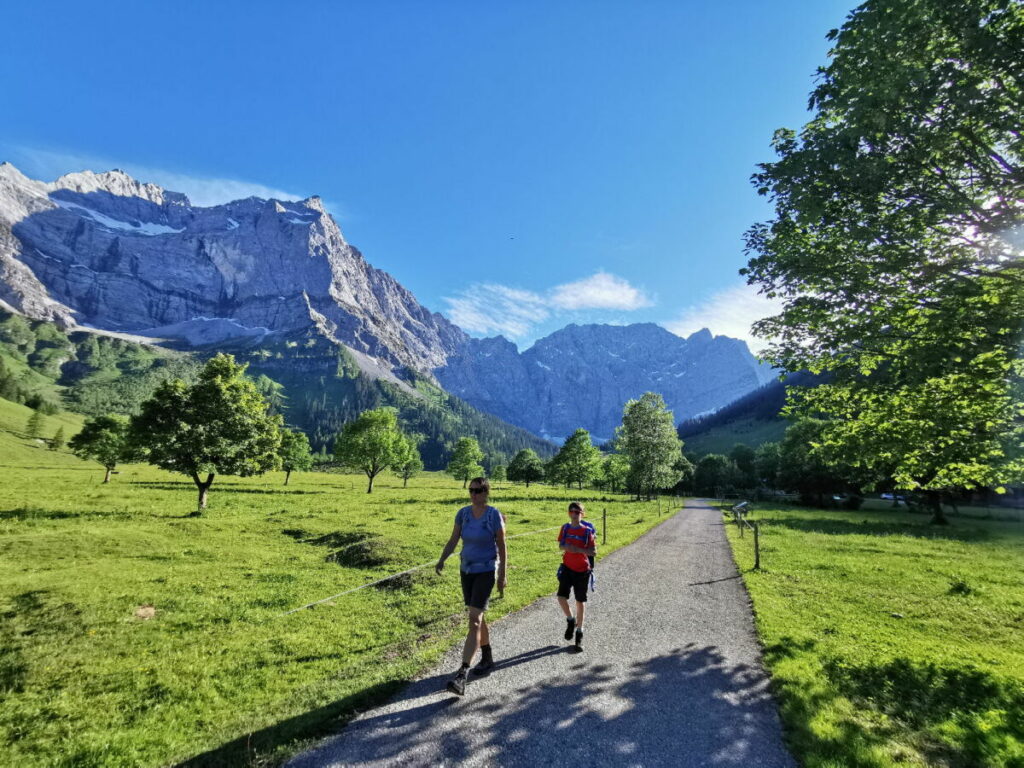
(670, 676)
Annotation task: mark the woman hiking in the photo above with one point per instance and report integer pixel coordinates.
(482, 530)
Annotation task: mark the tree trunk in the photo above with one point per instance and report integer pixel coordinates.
(369, 488)
(106, 477)
(405, 482)
(464, 481)
(935, 502)
(287, 474)
(204, 488)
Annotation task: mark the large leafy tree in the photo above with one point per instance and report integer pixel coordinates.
(649, 441)
(218, 426)
(371, 443)
(294, 452)
(103, 439)
(896, 244)
(526, 467)
(577, 461)
(465, 461)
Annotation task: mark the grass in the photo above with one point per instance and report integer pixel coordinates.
(131, 634)
(892, 642)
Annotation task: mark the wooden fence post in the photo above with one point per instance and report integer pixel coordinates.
(604, 525)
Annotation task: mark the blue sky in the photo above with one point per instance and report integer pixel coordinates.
(518, 166)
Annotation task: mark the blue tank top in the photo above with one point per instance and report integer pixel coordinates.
(479, 549)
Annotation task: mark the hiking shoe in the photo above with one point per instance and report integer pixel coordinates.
(570, 626)
(485, 666)
(579, 640)
(457, 684)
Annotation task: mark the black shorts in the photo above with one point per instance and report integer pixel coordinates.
(476, 589)
(575, 581)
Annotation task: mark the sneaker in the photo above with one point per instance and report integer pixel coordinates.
(485, 666)
(570, 625)
(457, 684)
(579, 640)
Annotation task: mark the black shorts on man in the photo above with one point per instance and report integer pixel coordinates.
(477, 588)
(573, 581)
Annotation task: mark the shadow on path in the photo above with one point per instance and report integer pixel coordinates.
(689, 707)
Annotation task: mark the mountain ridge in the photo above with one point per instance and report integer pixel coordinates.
(103, 251)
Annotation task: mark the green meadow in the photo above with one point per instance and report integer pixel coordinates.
(134, 635)
(892, 642)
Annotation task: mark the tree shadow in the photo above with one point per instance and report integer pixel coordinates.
(985, 712)
(874, 528)
(176, 485)
(690, 706)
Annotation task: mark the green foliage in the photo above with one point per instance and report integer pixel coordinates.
(465, 461)
(219, 425)
(16, 331)
(716, 473)
(294, 452)
(649, 441)
(272, 392)
(614, 472)
(499, 473)
(766, 464)
(58, 440)
(409, 463)
(578, 461)
(34, 425)
(105, 439)
(372, 443)
(526, 467)
(893, 246)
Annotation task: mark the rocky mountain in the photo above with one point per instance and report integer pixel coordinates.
(581, 375)
(104, 251)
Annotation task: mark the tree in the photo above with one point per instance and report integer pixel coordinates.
(371, 443)
(893, 250)
(648, 439)
(686, 471)
(58, 440)
(218, 425)
(465, 461)
(801, 466)
(410, 463)
(743, 457)
(766, 464)
(499, 473)
(294, 453)
(577, 461)
(526, 467)
(34, 425)
(104, 439)
(614, 471)
(715, 473)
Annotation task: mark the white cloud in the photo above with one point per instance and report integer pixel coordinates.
(730, 313)
(201, 190)
(599, 291)
(489, 308)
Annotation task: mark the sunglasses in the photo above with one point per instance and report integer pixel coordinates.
(478, 490)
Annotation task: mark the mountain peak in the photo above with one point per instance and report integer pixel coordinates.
(116, 182)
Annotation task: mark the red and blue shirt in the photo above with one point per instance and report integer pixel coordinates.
(579, 536)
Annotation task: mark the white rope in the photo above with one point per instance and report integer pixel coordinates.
(355, 589)
(392, 576)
